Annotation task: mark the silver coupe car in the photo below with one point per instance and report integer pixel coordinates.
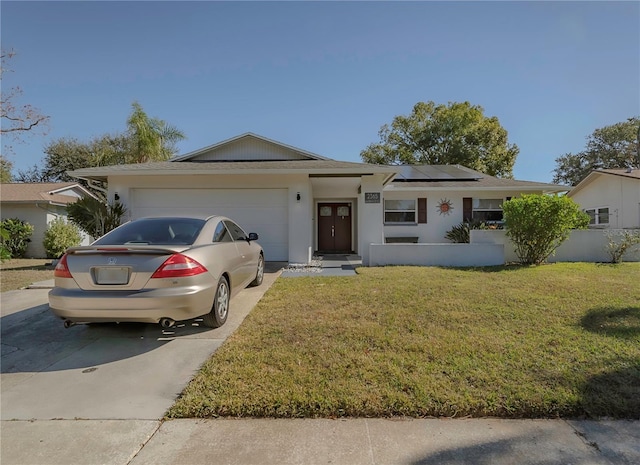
(158, 270)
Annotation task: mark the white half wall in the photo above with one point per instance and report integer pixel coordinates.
(462, 255)
(583, 245)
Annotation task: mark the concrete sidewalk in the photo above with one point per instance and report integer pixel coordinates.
(348, 442)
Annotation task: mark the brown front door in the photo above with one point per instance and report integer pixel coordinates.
(334, 227)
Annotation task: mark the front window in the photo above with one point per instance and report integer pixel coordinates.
(487, 210)
(598, 216)
(400, 211)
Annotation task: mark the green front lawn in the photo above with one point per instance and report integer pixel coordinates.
(547, 341)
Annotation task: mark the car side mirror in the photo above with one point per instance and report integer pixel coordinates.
(252, 237)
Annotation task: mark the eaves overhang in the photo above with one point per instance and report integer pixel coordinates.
(311, 168)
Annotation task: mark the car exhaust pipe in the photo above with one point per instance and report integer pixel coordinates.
(68, 324)
(167, 322)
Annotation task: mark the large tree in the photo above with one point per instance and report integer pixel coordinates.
(614, 146)
(18, 119)
(457, 133)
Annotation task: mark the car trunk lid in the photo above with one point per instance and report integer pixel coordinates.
(126, 267)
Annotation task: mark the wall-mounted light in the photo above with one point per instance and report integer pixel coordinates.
(116, 196)
(298, 197)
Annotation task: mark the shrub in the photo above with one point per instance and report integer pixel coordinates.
(538, 224)
(95, 217)
(59, 237)
(18, 236)
(621, 242)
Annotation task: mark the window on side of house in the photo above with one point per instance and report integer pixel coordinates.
(400, 212)
(598, 216)
(487, 210)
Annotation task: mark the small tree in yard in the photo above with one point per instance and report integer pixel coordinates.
(18, 236)
(59, 237)
(538, 224)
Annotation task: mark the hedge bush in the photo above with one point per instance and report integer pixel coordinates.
(538, 224)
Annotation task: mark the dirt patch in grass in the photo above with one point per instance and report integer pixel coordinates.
(558, 340)
(21, 272)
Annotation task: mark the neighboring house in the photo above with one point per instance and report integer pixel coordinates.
(300, 202)
(611, 197)
(38, 204)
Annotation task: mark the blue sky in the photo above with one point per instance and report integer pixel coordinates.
(324, 76)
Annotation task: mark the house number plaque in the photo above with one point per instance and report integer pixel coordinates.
(372, 197)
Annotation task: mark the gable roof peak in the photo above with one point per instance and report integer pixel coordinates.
(247, 137)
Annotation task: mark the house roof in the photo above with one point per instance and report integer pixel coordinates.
(313, 167)
(253, 154)
(49, 192)
(618, 172)
(437, 177)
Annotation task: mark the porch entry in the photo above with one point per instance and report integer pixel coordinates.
(334, 227)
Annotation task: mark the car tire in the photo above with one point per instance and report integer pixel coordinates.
(220, 308)
(259, 273)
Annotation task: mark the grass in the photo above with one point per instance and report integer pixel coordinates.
(18, 273)
(558, 340)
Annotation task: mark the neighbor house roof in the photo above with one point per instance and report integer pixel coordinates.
(614, 172)
(49, 192)
(437, 177)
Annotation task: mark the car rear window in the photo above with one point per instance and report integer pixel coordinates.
(156, 231)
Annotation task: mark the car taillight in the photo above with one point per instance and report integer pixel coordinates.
(179, 266)
(62, 269)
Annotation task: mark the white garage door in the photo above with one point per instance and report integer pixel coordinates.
(263, 211)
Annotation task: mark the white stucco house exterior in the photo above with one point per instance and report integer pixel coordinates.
(611, 197)
(301, 203)
(39, 204)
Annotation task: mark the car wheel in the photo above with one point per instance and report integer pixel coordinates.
(220, 309)
(259, 273)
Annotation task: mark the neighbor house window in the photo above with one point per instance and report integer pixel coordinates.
(487, 210)
(400, 211)
(598, 215)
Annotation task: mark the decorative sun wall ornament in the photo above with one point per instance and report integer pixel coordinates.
(445, 206)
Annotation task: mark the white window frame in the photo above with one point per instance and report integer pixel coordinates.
(596, 216)
(409, 210)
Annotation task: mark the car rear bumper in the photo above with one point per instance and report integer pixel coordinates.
(145, 306)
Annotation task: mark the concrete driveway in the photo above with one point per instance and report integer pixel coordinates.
(108, 374)
(105, 371)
